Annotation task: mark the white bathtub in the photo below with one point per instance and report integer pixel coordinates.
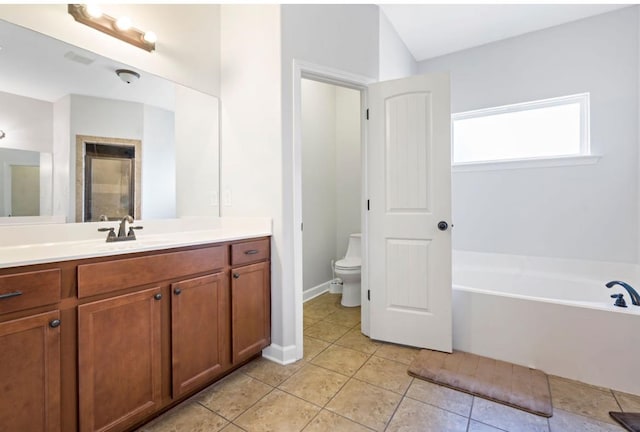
(550, 314)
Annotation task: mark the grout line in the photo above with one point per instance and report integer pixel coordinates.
(473, 399)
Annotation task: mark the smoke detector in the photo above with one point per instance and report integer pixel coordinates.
(128, 76)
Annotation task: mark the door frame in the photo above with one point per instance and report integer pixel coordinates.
(303, 69)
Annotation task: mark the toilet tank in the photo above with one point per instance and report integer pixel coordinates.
(353, 248)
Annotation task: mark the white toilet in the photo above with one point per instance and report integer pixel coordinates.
(348, 270)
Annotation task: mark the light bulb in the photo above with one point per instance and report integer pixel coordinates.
(93, 10)
(124, 23)
(150, 37)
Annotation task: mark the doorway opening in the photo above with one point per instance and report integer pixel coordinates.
(107, 179)
(329, 175)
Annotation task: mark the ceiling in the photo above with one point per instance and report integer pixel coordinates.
(433, 30)
(37, 66)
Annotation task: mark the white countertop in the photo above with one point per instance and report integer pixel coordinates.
(174, 233)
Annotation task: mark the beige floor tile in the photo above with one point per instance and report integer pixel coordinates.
(476, 426)
(232, 428)
(325, 298)
(327, 421)
(314, 384)
(354, 339)
(234, 394)
(397, 353)
(440, 396)
(347, 317)
(365, 404)
(339, 359)
(384, 373)
(319, 310)
(313, 347)
(414, 416)
(189, 416)
(628, 402)
(563, 421)
(507, 418)
(582, 399)
(277, 412)
(270, 372)
(327, 331)
(308, 321)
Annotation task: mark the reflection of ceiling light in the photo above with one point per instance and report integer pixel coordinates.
(128, 76)
(150, 37)
(121, 28)
(93, 10)
(124, 23)
(2, 134)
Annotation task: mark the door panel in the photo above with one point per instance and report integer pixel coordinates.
(409, 176)
(119, 350)
(30, 374)
(199, 331)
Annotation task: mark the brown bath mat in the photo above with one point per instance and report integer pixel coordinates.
(502, 382)
(631, 421)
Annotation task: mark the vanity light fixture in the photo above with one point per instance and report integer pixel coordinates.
(121, 28)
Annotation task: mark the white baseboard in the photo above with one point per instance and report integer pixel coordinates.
(315, 291)
(280, 354)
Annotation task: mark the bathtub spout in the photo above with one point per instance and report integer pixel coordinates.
(635, 297)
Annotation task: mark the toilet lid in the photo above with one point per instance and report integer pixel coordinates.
(348, 263)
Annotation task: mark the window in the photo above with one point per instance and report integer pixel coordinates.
(544, 129)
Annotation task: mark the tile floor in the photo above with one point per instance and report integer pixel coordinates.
(347, 382)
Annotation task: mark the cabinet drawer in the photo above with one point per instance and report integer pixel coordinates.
(249, 252)
(109, 276)
(27, 290)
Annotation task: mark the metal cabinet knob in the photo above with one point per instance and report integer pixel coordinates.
(158, 296)
(54, 323)
(236, 275)
(177, 291)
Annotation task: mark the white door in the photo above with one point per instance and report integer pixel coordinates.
(409, 178)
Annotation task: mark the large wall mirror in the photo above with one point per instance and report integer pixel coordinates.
(76, 131)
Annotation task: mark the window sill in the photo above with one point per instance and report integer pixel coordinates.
(525, 163)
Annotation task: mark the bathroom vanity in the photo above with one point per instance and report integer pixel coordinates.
(106, 342)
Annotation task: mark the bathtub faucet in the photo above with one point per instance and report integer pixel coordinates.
(635, 297)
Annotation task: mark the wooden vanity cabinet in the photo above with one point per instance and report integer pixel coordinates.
(105, 344)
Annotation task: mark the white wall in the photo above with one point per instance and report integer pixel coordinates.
(188, 47)
(348, 167)
(319, 182)
(331, 177)
(159, 164)
(395, 59)
(62, 158)
(27, 122)
(251, 128)
(584, 212)
(197, 153)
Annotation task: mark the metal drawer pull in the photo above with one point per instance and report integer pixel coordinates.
(158, 296)
(55, 323)
(236, 275)
(251, 252)
(11, 294)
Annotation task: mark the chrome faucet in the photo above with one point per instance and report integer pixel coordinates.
(122, 231)
(123, 225)
(635, 297)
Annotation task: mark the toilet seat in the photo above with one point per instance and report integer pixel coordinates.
(353, 263)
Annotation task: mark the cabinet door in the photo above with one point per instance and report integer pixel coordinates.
(199, 331)
(251, 310)
(30, 374)
(119, 360)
